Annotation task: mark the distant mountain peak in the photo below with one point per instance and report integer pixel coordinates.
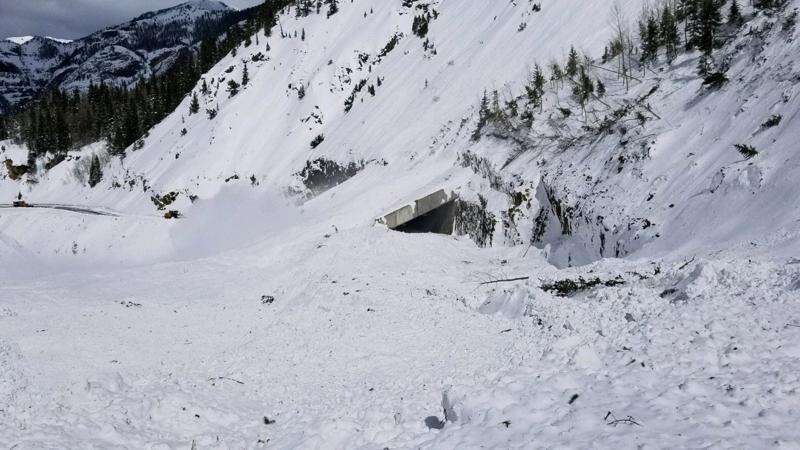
(204, 6)
(153, 42)
(22, 40)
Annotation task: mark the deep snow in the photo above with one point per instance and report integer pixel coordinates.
(265, 304)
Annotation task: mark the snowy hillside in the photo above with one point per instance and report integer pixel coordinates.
(623, 267)
(119, 55)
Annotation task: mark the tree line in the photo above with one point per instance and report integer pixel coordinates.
(701, 20)
(664, 31)
(59, 121)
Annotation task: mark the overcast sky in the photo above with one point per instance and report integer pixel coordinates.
(72, 19)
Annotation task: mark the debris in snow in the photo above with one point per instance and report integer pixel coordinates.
(568, 287)
(506, 280)
(613, 421)
(434, 423)
(214, 380)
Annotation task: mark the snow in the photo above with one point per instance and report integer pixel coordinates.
(20, 40)
(63, 41)
(266, 317)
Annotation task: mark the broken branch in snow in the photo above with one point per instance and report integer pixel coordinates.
(505, 280)
(614, 421)
(212, 379)
(683, 266)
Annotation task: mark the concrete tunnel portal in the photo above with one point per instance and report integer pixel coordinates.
(434, 213)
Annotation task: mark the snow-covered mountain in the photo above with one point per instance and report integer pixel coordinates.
(623, 268)
(119, 55)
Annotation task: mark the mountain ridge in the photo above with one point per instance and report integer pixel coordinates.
(119, 54)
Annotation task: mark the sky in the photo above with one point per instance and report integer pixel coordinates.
(72, 19)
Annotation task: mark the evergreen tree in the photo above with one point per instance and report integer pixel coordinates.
(194, 106)
(650, 39)
(483, 117)
(668, 33)
(601, 88)
(688, 12)
(572, 63)
(583, 90)
(303, 7)
(62, 139)
(3, 129)
(538, 78)
(556, 74)
(233, 88)
(535, 88)
(734, 14)
(707, 21)
(245, 75)
(333, 7)
(704, 66)
(95, 172)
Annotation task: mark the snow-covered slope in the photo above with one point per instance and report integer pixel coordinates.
(650, 186)
(119, 55)
(278, 299)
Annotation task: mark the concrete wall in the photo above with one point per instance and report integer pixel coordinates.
(423, 206)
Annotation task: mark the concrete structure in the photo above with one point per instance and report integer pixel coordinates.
(434, 213)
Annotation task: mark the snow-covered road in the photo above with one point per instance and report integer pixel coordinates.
(61, 207)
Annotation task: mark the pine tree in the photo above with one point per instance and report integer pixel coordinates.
(245, 75)
(95, 172)
(333, 7)
(233, 88)
(304, 7)
(735, 14)
(3, 129)
(669, 33)
(194, 106)
(483, 117)
(583, 90)
(62, 138)
(707, 21)
(535, 88)
(556, 74)
(496, 110)
(650, 39)
(704, 66)
(572, 63)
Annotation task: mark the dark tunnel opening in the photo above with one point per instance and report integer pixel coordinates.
(440, 221)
